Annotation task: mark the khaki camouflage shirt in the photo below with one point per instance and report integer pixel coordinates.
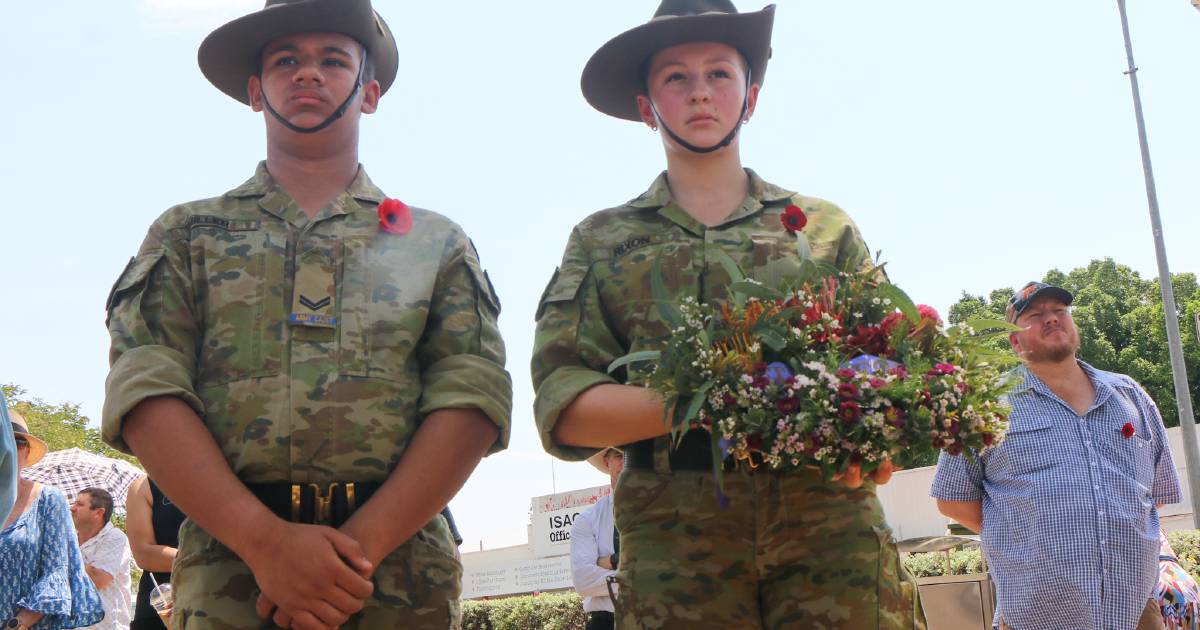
(312, 349)
(599, 304)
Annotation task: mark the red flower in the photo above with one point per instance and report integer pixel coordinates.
(794, 219)
(849, 412)
(928, 312)
(394, 217)
(1127, 431)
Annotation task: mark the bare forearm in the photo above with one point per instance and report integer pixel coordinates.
(437, 462)
(611, 414)
(180, 454)
(100, 578)
(968, 513)
(156, 558)
(29, 618)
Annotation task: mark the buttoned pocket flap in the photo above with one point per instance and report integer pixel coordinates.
(563, 287)
(133, 277)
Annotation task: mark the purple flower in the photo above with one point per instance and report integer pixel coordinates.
(778, 372)
(870, 364)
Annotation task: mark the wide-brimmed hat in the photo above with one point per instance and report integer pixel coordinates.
(613, 77)
(37, 448)
(598, 460)
(229, 56)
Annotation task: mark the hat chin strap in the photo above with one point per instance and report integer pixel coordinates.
(338, 113)
(716, 147)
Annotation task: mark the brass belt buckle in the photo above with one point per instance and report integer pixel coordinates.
(322, 502)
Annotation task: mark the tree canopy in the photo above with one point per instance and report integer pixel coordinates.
(60, 426)
(1121, 324)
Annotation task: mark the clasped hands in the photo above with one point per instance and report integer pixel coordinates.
(311, 576)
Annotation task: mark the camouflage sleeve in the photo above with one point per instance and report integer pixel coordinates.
(152, 325)
(573, 345)
(461, 352)
(832, 224)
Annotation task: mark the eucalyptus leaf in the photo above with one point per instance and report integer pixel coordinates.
(986, 323)
(773, 339)
(756, 290)
(663, 300)
(802, 247)
(727, 262)
(634, 357)
(901, 301)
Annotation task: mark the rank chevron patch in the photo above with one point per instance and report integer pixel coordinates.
(314, 306)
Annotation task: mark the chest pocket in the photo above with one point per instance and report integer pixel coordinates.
(1133, 455)
(626, 286)
(1027, 447)
(385, 298)
(241, 291)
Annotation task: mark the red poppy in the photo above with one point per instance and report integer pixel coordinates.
(394, 216)
(1127, 431)
(794, 219)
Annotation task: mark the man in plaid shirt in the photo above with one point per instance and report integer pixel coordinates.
(1067, 504)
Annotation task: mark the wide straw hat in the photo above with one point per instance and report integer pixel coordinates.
(598, 460)
(229, 56)
(37, 448)
(613, 76)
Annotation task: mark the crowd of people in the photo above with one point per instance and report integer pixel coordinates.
(310, 370)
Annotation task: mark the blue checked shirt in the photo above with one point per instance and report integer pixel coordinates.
(1070, 523)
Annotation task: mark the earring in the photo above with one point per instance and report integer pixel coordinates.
(653, 127)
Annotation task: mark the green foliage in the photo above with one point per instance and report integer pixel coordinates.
(1186, 544)
(962, 562)
(60, 426)
(548, 611)
(1121, 325)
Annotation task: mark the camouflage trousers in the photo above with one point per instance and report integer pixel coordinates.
(791, 551)
(417, 586)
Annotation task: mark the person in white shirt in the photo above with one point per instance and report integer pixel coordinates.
(595, 547)
(106, 556)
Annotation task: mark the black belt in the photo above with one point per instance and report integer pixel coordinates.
(318, 504)
(693, 453)
(331, 504)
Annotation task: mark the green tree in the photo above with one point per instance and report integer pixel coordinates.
(1121, 324)
(60, 426)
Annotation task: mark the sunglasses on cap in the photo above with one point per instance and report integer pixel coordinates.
(21, 441)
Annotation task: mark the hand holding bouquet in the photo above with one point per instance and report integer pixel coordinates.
(836, 370)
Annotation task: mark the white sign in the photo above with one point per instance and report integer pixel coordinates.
(525, 576)
(553, 515)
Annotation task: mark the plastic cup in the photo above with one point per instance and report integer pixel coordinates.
(163, 602)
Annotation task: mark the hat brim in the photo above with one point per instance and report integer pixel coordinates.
(229, 56)
(612, 78)
(37, 448)
(597, 459)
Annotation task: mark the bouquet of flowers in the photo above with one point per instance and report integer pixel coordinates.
(833, 369)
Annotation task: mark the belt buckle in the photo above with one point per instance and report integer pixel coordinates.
(322, 501)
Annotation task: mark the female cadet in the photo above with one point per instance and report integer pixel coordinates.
(790, 551)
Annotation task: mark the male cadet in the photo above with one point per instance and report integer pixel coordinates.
(1066, 503)
(309, 382)
(594, 547)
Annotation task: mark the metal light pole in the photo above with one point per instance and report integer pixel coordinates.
(1183, 397)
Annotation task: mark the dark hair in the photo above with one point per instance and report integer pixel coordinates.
(100, 499)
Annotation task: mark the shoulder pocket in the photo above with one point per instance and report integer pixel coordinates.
(131, 279)
(562, 288)
(483, 282)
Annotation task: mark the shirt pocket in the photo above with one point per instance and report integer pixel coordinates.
(241, 290)
(385, 298)
(129, 286)
(626, 288)
(1135, 455)
(1028, 447)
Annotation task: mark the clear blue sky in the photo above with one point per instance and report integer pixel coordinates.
(977, 144)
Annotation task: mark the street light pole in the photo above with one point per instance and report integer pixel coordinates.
(1183, 398)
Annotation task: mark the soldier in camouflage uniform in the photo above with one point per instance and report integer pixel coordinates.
(791, 551)
(309, 382)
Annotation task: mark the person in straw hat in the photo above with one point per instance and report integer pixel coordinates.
(310, 370)
(595, 546)
(43, 583)
(790, 551)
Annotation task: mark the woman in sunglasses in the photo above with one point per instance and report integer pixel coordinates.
(44, 585)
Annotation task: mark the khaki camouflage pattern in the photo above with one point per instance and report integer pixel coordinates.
(790, 552)
(311, 349)
(416, 587)
(599, 305)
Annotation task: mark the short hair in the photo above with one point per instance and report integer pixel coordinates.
(101, 498)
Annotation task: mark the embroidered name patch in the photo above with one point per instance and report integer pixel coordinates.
(218, 222)
(631, 244)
